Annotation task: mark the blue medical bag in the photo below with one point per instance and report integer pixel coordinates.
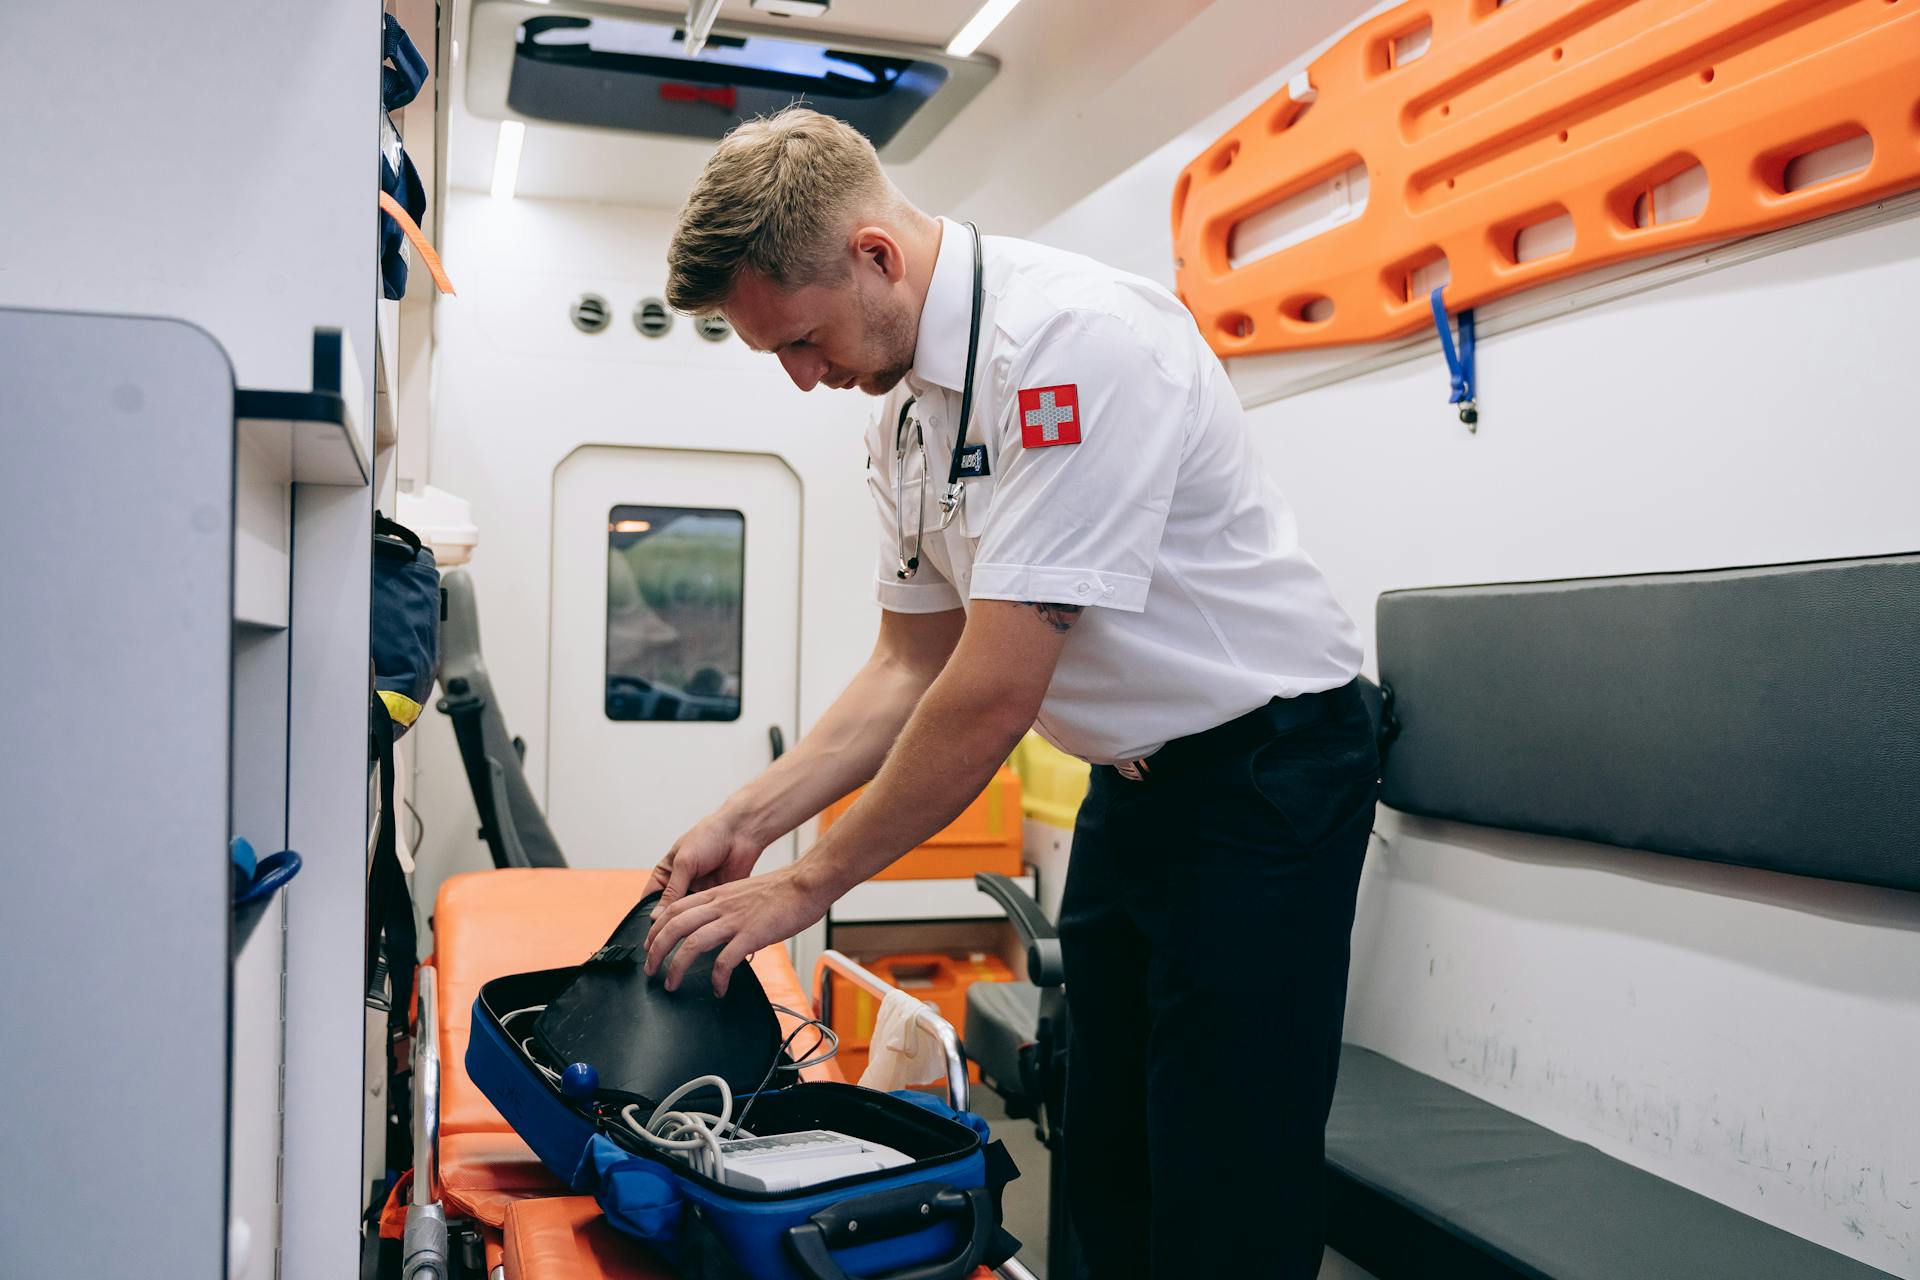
(937, 1218)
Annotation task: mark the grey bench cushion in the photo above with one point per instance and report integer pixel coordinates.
(1528, 1201)
(1768, 716)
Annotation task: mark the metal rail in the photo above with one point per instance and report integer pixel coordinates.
(928, 1019)
(425, 1244)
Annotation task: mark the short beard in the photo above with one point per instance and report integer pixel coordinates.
(891, 334)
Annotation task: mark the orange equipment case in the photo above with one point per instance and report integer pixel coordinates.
(985, 837)
(939, 980)
(1566, 112)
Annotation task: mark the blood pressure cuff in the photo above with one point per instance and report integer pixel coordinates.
(646, 1041)
(406, 621)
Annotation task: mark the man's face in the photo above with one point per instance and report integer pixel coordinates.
(857, 332)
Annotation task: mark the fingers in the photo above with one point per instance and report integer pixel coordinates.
(677, 882)
(673, 877)
(697, 944)
(728, 960)
(662, 874)
(676, 923)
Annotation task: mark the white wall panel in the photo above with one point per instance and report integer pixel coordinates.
(520, 388)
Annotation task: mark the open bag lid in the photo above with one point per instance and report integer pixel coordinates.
(646, 1041)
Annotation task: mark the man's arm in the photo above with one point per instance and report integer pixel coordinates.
(843, 750)
(962, 730)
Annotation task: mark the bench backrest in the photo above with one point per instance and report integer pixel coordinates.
(1767, 716)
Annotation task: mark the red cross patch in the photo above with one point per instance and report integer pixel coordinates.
(1050, 415)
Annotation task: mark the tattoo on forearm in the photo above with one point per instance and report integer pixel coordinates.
(1058, 616)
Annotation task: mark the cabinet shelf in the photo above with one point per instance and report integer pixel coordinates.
(882, 900)
(309, 437)
(284, 438)
(305, 437)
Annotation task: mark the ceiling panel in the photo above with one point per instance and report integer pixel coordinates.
(921, 21)
(1079, 96)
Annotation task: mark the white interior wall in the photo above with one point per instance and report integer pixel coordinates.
(519, 388)
(1746, 1034)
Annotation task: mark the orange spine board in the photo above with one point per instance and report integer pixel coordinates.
(1532, 112)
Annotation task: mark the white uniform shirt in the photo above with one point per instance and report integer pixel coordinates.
(1122, 477)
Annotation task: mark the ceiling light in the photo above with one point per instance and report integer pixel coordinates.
(629, 526)
(506, 158)
(794, 8)
(980, 26)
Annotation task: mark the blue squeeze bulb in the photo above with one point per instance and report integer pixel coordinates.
(240, 855)
(580, 1081)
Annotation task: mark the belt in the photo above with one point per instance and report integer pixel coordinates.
(1241, 734)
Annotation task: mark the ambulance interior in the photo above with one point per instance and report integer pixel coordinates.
(1631, 536)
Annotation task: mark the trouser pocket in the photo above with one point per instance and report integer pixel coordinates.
(1315, 779)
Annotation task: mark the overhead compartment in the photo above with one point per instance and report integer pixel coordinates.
(624, 69)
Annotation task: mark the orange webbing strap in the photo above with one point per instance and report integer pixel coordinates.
(393, 209)
(1524, 114)
(393, 1214)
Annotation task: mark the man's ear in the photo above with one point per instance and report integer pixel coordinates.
(877, 250)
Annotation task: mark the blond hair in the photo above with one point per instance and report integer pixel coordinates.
(776, 197)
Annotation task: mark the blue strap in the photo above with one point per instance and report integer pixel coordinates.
(1459, 364)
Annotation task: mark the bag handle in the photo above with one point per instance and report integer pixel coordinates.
(385, 528)
(886, 1214)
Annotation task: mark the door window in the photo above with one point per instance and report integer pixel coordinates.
(674, 583)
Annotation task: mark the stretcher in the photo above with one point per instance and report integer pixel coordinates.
(509, 1218)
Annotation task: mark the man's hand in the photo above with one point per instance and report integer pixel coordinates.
(739, 918)
(715, 852)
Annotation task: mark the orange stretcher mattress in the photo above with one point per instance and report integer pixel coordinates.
(568, 1238)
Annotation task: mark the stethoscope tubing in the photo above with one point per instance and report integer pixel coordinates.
(950, 500)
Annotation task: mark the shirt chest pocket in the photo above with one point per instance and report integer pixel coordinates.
(976, 507)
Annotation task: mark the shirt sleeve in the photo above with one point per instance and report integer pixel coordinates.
(927, 591)
(1080, 521)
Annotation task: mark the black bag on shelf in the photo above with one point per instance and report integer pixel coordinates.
(402, 73)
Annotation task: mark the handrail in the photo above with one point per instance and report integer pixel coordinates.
(426, 1080)
(423, 1247)
(928, 1019)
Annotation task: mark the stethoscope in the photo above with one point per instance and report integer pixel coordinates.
(950, 500)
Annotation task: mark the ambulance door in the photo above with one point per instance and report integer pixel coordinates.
(674, 641)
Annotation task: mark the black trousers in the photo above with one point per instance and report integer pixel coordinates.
(1206, 930)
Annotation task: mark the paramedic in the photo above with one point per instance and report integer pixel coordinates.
(1119, 572)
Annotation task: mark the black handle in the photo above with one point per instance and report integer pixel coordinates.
(886, 1214)
(777, 740)
(1045, 966)
(385, 528)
